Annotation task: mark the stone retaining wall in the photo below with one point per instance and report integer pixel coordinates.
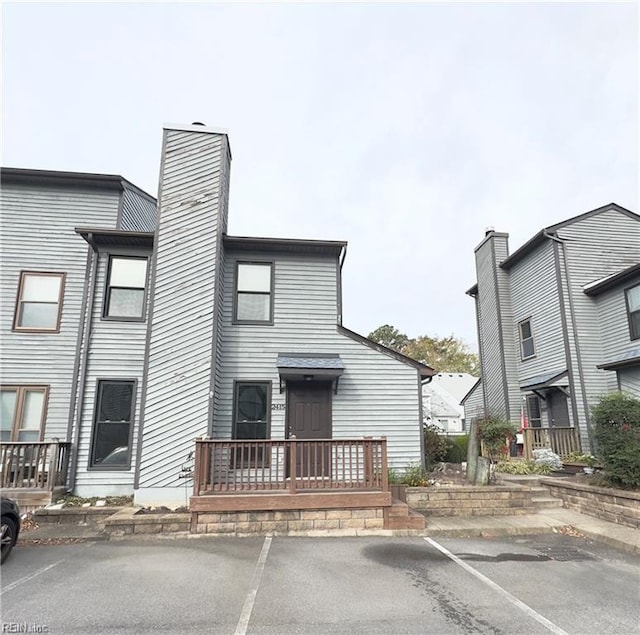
(129, 521)
(74, 515)
(469, 500)
(614, 505)
(344, 521)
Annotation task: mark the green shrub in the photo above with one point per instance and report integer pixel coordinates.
(496, 433)
(617, 433)
(580, 457)
(435, 446)
(414, 476)
(457, 449)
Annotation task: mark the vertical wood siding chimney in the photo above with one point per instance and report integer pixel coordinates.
(498, 348)
(177, 392)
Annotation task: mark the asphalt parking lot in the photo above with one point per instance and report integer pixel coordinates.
(539, 584)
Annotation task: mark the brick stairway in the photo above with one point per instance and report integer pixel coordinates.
(400, 516)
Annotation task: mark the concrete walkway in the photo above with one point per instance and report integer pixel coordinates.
(544, 521)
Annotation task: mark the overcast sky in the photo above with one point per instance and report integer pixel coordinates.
(404, 129)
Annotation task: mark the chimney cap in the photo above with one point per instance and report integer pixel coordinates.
(489, 229)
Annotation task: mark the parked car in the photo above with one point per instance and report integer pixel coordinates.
(10, 527)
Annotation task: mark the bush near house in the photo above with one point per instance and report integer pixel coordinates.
(435, 446)
(617, 432)
(496, 434)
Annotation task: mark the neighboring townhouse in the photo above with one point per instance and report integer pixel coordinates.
(558, 319)
(473, 403)
(441, 399)
(130, 329)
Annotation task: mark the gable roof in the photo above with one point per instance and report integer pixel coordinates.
(473, 389)
(608, 282)
(543, 234)
(424, 370)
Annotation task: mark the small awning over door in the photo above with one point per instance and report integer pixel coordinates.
(310, 367)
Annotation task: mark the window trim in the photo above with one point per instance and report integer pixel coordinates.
(268, 322)
(629, 312)
(91, 467)
(253, 382)
(107, 286)
(21, 389)
(30, 329)
(521, 340)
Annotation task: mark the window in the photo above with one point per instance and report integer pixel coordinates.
(527, 348)
(633, 311)
(39, 301)
(22, 413)
(533, 410)
(112, 425)
(254, 303)
(126, 283)
(251, 420)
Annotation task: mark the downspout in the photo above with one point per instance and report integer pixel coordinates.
(574, 406)
(83, 367)
(422, 383)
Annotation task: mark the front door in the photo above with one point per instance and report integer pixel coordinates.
(558, 409)
(309, 417)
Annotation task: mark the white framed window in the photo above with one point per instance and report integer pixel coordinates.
(22, 413)
(126, 286)
(39, 303)
(527, 348)
(254, 293)
(632, 296)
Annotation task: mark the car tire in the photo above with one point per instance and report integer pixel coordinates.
(8, 536)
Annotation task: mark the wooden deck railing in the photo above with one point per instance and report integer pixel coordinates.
(41, 466)
(290, 465)
(562, 441)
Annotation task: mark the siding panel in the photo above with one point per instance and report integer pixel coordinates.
(182, 351)
(38, 235)
(377, 394)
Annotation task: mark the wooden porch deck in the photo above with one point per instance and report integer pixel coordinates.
(34, 474)
(290, 475)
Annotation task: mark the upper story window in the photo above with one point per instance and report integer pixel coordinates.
(254, 293)
(633, 311)
(22, 413)
(126, 284)
(39, 302)
(527, 348)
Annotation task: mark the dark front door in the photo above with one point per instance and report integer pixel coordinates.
(558, 409)
(309, 417)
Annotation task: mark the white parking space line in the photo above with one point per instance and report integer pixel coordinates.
(26, 578)
(496, 587)
(250, 600)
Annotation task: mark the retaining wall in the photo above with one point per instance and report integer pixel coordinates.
(287, 522)
(470, 500)
(618, 506)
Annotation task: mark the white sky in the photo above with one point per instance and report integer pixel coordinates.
(404, 129)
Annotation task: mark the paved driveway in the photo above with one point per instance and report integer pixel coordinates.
(527, 585)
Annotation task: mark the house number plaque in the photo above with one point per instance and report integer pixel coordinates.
(278, 406)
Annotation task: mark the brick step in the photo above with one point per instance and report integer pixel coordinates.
(546, 502)
(398, 510)
(414, 520)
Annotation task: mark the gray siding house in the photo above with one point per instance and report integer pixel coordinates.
(131, 327)
(559, 319)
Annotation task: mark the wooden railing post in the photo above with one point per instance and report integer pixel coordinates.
(292, 464)
(368, 462)
(53, 467)
(197, 466)
(385, 470)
